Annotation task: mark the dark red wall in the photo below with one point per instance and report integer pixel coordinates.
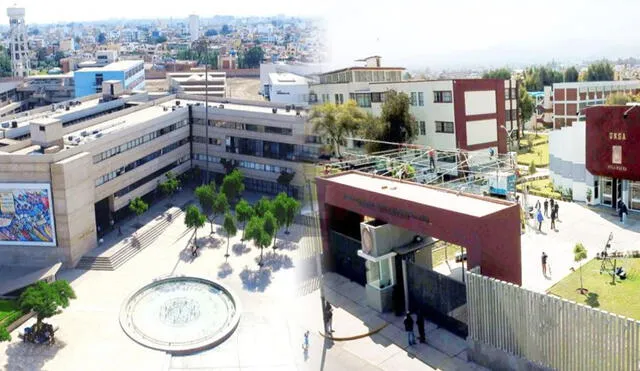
(461, 118)
(606, 127)
(492, 242)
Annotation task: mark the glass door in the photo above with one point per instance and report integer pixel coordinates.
(607, 191)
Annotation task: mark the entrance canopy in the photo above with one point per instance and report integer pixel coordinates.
(488, 228)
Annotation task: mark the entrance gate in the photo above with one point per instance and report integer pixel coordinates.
(345, 255)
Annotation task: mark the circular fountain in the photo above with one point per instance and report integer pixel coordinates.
(180, 314)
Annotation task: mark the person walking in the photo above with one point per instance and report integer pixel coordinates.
(553, 219)
(305, 341)
(556, 208)
(420, 323)
(408, 327)
(544, 263)
(328, 313)
(540, 219)
(538, 205)
(546, 208)
(551, 203)
(623, 213)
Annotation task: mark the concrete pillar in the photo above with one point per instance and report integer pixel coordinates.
(405, 284)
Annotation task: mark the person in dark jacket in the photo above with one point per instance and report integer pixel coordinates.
(408, 327)
(420, 323)
(328, 312)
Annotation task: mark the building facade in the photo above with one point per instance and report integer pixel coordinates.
(287, 88)
(89, 80)
(196, 82)
(571, 98)
(597, 159)
(80, 165)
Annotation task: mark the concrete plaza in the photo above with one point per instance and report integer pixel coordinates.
(276, 311)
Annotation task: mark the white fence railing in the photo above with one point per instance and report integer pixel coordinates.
(549, 331)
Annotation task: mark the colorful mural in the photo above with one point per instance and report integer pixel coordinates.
(26, 215)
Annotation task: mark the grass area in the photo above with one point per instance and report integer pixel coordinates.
(9, 312)
(538, 152)
(445, 250)
(621, 298)
(541, 187)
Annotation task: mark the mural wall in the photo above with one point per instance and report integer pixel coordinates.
(26, 215)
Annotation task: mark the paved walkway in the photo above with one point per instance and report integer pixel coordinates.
(577, 223)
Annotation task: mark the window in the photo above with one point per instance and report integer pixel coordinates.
(423, 128)
(507, 115)
(414, 99)
(339, 98)
(443, 96)
(420, 99)
(363, 100)
(376, 97)
(444, 127)
(41, 128)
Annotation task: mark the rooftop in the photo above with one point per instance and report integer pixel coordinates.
(594, 83)
(364, 69)
(286, 78)
(115, 66)
(425, 195)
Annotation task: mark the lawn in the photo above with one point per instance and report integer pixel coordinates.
(539, 152)
(621, 298)
(541, 187)
(9, 312)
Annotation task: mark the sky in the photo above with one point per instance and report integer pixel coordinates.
(414, 33)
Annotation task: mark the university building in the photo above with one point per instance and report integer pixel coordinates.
(75, 166)
(458, 114)
(598, 158)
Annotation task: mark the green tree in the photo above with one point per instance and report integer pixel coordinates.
(601, 71)
(46, 299)
(396, 124)
(225, 29)
(233, 185)
(621, 99)
(262, 206)
(571, 74)
(220, 205)
(292, 207)
(580, 254)
(257, 233)
(5, 63)
(501, 73)
(4, 334)
(206, 195)
(336, 122)
(170, 185)
(536, 78)
(270, 225)
(253, 57)
(244, 212)
(525, 106)
(230, 229)
(194, 219)
(280, 211)
(102, 38)
(138, 207)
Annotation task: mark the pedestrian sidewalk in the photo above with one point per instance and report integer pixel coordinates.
(388, 349)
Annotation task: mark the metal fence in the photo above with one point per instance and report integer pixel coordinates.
(442, 299)
(549, 331)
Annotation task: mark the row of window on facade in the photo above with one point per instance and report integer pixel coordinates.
(140, 182)
(365, 99)
(244, 127)
(139, 162)
(245, 164)
(113, 151)
(361, 76)
(134, 71)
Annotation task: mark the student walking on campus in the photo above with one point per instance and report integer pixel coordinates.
(328, 315)
(538, 205)
(544, 263)
(546, 208)
(552, 203)
(408, 327)
(553, 219)
(420, 323)
(556, 207)
(539, 218)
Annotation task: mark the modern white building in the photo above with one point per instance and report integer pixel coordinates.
(197, 83)
(301, 69)
(194, 27)
(567, 158)
(287, 88)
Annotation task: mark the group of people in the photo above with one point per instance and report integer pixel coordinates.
(551, 208)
